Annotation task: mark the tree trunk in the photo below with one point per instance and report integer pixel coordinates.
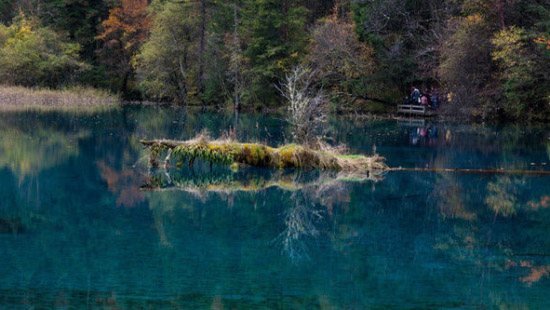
(38, 8)
(236, 57)
(124, 86)
(500, 13)
(202, 49)
(365, 97)
(183, 87)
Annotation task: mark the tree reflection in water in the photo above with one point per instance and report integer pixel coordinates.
(308, 192)
(300, 220)
(122, 183)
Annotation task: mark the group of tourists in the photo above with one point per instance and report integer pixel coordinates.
(429, 98)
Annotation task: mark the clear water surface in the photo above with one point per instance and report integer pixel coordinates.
(78, 229)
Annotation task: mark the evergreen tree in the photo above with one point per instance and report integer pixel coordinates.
(275, 41)
(80, 19)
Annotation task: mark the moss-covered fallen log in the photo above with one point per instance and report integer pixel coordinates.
(258, 155)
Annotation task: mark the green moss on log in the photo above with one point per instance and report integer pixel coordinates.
(259, 155)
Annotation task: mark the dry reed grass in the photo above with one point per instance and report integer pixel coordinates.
(23, 97)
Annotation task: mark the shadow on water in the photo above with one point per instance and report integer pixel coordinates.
(86, 225)
(11, 226)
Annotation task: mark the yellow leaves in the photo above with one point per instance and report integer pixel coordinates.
(508, 43)
(464, 26)
(22, 29)
(282, 64)
(31, 54)
(502, 196)
(514, 58)
(449, 99)
(336, 51)
(24, 32)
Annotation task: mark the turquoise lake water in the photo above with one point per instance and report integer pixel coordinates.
(80, 230)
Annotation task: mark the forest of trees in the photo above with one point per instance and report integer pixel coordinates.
(490, 58)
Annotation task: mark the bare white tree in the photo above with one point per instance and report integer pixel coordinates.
(307, 106)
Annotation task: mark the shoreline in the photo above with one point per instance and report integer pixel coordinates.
(16, 98)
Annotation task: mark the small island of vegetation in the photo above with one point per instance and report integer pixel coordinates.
(258, 155)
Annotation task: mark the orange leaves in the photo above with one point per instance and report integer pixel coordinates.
(543, 40)
(543, 203)
(128, 24)
(535, 274)
(122, 184)
(474, 19)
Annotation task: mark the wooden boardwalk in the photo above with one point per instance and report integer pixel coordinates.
(413, 109)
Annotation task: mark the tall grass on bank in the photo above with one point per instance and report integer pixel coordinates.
(79, 96)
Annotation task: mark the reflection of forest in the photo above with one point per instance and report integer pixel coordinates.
(27, 151)
(394, 222)
(77, 232)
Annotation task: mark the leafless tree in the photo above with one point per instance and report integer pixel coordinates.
(307, 106)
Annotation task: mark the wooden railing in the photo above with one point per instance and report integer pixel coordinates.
(411, 109)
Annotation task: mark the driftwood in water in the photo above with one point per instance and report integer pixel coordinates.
(476, 171)
(259, 155)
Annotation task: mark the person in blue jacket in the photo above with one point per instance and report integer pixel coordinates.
(415, 95)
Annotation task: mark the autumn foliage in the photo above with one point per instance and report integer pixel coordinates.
(337, 54)
(127, 25)
(487, 59)
(123, 33)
